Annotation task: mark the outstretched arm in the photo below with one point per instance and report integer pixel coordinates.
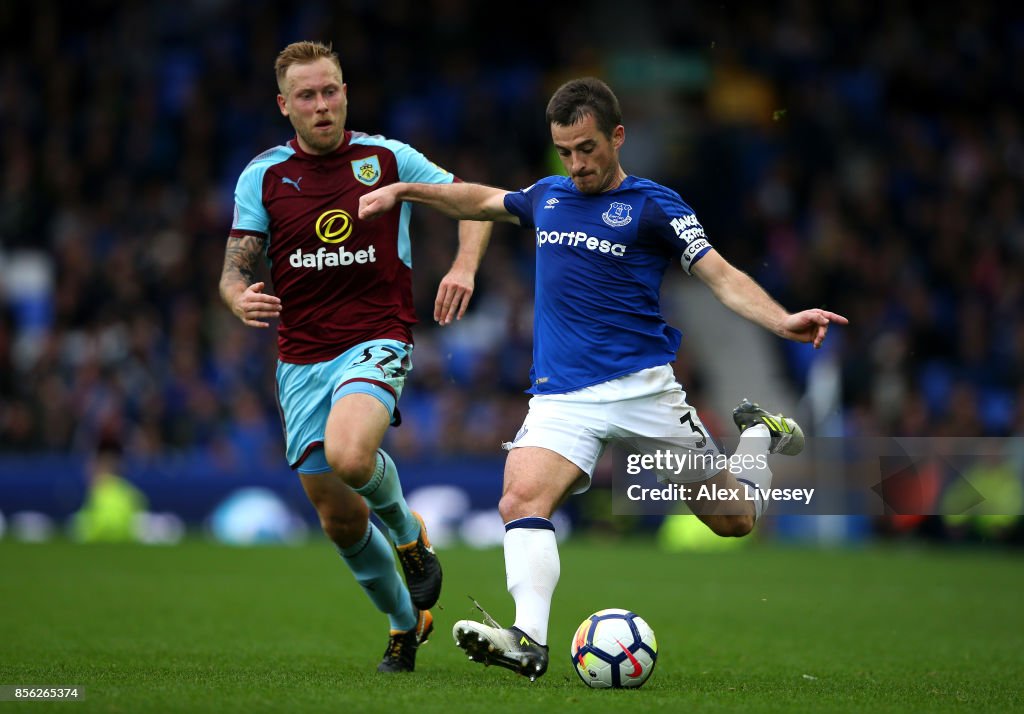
(456, 288)
(738, 292)
(238, 287)
(465, 201)
(469, 202)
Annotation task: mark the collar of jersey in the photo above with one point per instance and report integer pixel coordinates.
(342, 148)
(626, 184)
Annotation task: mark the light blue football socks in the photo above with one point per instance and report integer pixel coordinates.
(372, 561)
(384, 494)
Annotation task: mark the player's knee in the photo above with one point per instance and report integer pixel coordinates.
(732, 526)
(519, 503)
(509, 506)
(354, 466)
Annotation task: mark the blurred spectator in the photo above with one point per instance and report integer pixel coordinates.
(112, 505)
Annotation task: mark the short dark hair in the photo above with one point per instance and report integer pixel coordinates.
(579, 97)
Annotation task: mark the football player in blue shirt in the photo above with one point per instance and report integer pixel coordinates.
(602, 350)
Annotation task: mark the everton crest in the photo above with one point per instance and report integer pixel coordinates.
(367, 171)
(617, 215)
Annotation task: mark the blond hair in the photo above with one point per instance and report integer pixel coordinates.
(302, 53)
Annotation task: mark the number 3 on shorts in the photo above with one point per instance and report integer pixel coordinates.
(702, 438)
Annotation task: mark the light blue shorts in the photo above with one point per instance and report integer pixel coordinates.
(306, 393)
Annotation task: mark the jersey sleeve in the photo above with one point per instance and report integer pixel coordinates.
(250, 214)
(414, 167)
(675, 226)
(521, 203)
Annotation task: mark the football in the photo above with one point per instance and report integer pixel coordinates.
(614, 649)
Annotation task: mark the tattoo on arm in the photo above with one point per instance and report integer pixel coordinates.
(242, 258)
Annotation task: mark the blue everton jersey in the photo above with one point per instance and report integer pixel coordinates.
(600, 262)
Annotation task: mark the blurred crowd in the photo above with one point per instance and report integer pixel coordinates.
(864, 158)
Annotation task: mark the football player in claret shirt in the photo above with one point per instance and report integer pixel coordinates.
(602, 350)
(344, 300)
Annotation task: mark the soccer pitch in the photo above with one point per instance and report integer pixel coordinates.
(207, 628)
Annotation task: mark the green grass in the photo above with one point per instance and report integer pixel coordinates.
(200, 628)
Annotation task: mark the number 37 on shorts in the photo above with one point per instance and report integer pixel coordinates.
(392, 361)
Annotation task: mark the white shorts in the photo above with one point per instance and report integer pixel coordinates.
(645, 410)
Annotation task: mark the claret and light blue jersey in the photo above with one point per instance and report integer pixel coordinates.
(600, 262)
(342, 281)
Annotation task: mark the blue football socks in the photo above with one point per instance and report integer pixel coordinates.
(372, 561)
(384, 494)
